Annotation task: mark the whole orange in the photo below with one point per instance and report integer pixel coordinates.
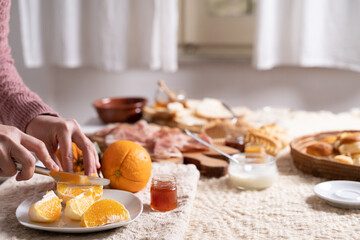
(127, 165)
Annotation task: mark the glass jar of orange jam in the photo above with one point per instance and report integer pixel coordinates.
(163, 193)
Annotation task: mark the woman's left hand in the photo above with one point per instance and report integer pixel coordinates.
(54, 131)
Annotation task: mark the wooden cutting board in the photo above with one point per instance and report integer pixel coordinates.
(210, 163)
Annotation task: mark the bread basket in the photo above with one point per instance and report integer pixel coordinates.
(321, 166)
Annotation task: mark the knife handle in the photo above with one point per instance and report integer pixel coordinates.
(38, 169)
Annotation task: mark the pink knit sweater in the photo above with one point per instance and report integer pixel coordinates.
(18, 105)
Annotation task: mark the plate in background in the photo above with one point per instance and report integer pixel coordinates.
(342, 194)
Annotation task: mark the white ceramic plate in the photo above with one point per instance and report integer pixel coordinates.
(343, 194)
(131, 202)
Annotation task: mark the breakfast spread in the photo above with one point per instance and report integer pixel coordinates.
(343, 147)
(160, 132)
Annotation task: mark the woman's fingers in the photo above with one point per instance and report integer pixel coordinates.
(40, 150)
(62, 132)
(25, 158)
(16, 146)
(7, 166)
(66, 151)
(52, 147)
(90, 156)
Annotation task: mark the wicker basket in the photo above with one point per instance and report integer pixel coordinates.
(321, 166)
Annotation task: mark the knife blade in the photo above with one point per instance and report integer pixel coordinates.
(210, 146)
(69, 178)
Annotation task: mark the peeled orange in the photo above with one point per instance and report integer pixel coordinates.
(76, 207)
(127, 165)
(67, 192)
(104, 212)
(48, 209)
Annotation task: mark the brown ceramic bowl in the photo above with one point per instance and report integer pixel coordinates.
(125, 109)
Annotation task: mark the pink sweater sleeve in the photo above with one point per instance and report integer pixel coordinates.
(18, 105)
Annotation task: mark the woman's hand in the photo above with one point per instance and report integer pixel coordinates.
(16, 145)
(54, 131)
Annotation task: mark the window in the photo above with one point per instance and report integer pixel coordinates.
(218, 28)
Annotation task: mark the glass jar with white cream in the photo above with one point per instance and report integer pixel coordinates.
(253, 171)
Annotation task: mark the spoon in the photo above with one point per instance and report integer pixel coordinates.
(235, 117)
(210, 146)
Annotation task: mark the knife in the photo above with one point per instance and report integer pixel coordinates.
(210, 146)
(69, 178)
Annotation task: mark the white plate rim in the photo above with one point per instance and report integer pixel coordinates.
(80, 229)
(340, 202)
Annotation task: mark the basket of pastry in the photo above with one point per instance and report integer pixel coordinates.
(332, 155)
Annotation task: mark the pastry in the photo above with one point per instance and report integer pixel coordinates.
(344, 159)
(320, 149)
(329, 139)
(350, 148)
(259, 136)
(348, 138)
(276, 132)
(356, 159)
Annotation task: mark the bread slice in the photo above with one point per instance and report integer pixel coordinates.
(186, 120)
(211, 108)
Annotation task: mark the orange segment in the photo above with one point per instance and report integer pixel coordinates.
(67, 192)
(127, 165)
(104, 212)
(48, 209)
(76, 207)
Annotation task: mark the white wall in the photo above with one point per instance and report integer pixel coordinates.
(71, 91)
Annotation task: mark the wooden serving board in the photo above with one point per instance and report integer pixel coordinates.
(210, 163)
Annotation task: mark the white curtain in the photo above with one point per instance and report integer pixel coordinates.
(110, 34)
(321, 33)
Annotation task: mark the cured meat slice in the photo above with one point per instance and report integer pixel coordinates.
(161, 142)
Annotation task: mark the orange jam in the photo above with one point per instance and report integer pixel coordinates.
(163, 193)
